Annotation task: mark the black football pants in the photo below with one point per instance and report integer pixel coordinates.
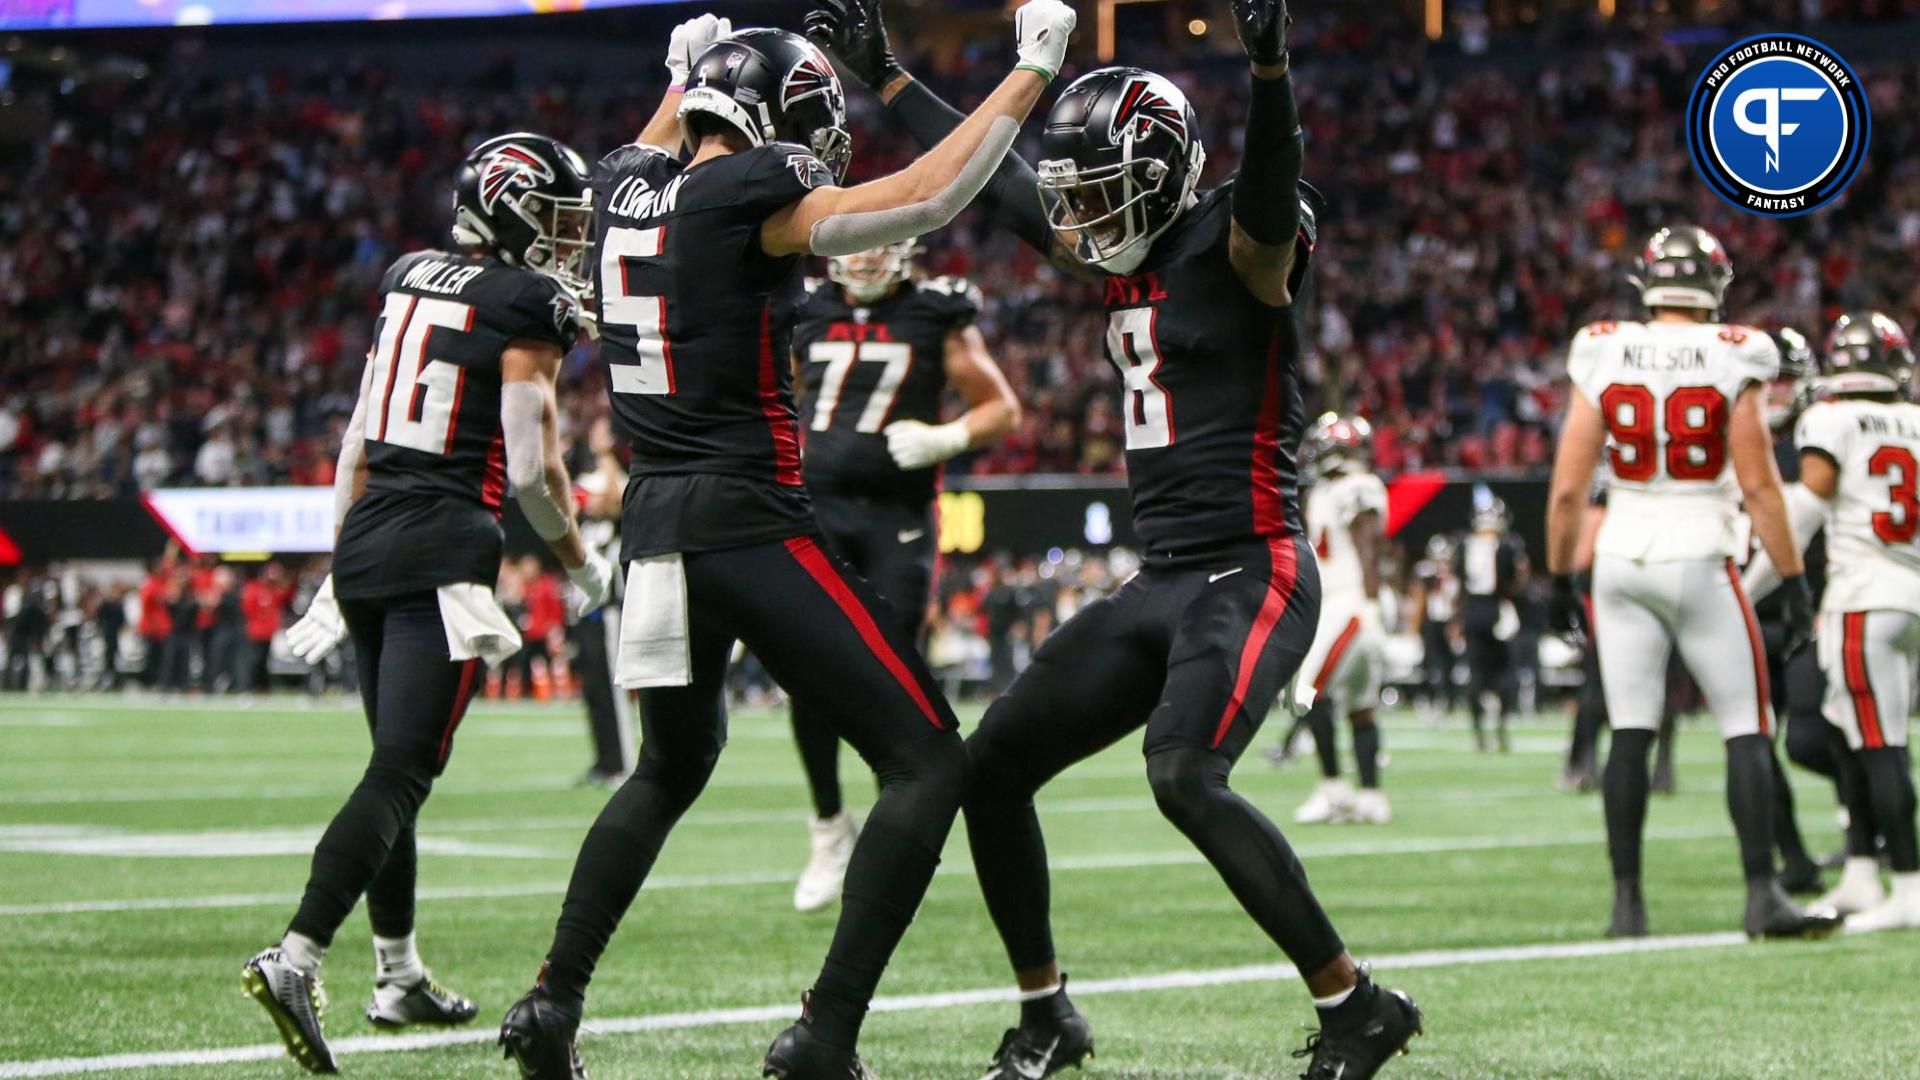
(824, 635)
(1196, 656)
(415, 697)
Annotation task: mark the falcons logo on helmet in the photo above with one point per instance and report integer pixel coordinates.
(510, 168)
(1142, 106)
(811, 76)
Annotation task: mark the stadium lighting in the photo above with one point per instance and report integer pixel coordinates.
(1437, 19)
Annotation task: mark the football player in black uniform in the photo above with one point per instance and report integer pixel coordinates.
(699, 283)
(1491, 566)
(1199, 289)
(875, 348)
(457, 400)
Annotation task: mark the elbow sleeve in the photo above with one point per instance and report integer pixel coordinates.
(523, 410)
(848, 234)
(1265, 200)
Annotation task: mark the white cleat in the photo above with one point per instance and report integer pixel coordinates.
(1369, 807)
(826, 870)
(1329, 803)
(1900, 911)
(1859, 889)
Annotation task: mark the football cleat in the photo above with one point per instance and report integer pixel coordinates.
(1629, 911)
(1030, 1053)
(1900, 911)
(423, 1002)
(1357, 1051)
(1770, 915)
(826, 871)
(539, 1037)
(296, 1002)
(798, 1054)
(1859, 889)
(1327, 804)
(1369, 807)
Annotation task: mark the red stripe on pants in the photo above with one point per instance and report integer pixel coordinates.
(1332, 663)
(462, 696)
(1279, 590)
(821, 569)
(1759, 649)
(1853, 655)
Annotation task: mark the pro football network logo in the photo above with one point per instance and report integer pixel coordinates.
(1778, 125)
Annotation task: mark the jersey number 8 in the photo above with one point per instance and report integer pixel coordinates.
(1695, 424)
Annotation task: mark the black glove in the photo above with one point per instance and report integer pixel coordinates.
(854, 31)
(1796, 613)
(1567, 610)
(1263, 29)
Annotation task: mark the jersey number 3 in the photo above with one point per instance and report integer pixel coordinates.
(1901, 521)
(418, 395)
(1136, 353)
(1696, 429)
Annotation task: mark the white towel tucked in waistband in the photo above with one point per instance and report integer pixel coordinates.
(653, 625)
(475, 624)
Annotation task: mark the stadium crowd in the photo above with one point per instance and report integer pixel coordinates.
(186, 265)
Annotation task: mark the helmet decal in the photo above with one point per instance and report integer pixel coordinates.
(813, 76)
(507, 168)
(1143, 105)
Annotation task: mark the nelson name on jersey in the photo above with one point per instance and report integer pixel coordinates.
(1649, 358)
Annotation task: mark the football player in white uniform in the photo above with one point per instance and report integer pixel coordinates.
(1860, 465)
(1346, 511)
(1678, 403)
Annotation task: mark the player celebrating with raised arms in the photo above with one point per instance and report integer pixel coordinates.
(457, 399)
(1679, 404)
(700, 281)
(875, 347)
(1199, 290)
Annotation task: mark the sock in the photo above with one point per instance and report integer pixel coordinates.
(885, 881)
(1750, 801)
(1890, 786)
(1366, 753)
(1349, 1007)
(1863, 834)
(1623, 789)
(1044, 1008)
(396, 960)
(1786, 829)
(1320, 722)
(302, 951)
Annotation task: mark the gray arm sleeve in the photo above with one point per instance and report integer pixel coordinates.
(353, 449)
(523, 410)
(846, 234)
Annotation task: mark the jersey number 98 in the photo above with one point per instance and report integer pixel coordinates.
(1695, 423)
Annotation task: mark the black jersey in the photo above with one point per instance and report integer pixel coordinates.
(696, 323)
(1212, 395)
(865, 366)
(436, 466)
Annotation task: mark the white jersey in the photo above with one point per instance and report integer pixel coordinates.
(1332, 507)
(1666, 393)
(1873, 521)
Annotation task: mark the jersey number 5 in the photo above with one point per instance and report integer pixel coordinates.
(1696, 428)
(1136, 353)
(1901, 521)
(622, 252)
(417, 396)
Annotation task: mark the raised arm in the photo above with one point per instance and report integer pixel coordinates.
(1266, 206)
(855, 31)
(689, 40)
(530, 433)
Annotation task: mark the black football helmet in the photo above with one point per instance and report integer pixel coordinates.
(1789, 393)
(1867, 353)
(1336, 444)
(1119, 159)
(526, 197)
(772, 86)
(1683, 266)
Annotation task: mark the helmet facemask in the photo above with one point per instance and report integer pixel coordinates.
(1102, 212)
(563, 242)
(871, 275)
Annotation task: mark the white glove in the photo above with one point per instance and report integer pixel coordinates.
(689, 40)
(321, 629)
(915, 445)
(1041, 28)
(592, 584)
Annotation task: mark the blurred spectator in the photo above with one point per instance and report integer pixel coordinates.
(263, 601)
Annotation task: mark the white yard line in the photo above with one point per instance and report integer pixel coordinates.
(1070, 863)
(771, 1014)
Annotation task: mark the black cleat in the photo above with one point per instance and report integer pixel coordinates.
(1771, 916)
(798, 1054)
(296, 1002)
(1030, 1053)
(1802, 879)
(539, 1037)
(1629, 911)
(425, 1002)
(1357, 1051)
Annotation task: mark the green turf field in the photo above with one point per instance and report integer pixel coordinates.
(146, 850)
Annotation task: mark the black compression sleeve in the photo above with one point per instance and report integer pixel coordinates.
(1011, 196)
(1265, 204)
